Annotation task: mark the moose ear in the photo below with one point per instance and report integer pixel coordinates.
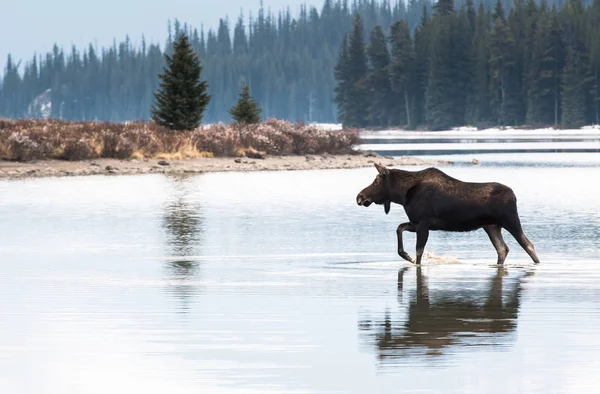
(382, 170)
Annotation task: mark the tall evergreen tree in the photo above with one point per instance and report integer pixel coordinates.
(240, 41)
(11, 94)
(439, 102)
(444, 7)
(576, 80)
(182, 97)
(505, 87)
(342, 88)
(357, 98)
(472, 15)
(517, 23)
(448, 70)
(224, 41)
(402, 71)
(545, 72)
(423, 41)
(378, 79)
(481, 112)
(573, 91)
(463, 65)
(595, 59)
(533, 17)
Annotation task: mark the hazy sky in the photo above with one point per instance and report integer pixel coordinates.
(29, 26)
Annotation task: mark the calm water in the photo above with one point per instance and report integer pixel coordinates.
(277, 282)
(456, 142)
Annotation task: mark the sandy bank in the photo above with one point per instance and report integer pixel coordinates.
(55, 168)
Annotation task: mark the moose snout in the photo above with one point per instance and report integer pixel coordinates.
(363, 200)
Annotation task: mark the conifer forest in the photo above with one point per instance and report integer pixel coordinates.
(363, 63)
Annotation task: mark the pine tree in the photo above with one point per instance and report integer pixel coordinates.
(533, 19)
(573, 91)
(342, 79)
(595, 62)
(223, 38)
(444, 7)
(444, 100)
(182, 98)
(422, 58)
(463, 65)
(402, 70)
(481, 93)
(517, 22)
(545, 72)
(554, 63)
(381, 100)
(246, 110)
(594, 40)
(357, 99)
(240, 42)
(11, 87)
(505, 87)
(577, 82)
(471, 15)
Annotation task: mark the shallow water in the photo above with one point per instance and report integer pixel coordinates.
(278, 282)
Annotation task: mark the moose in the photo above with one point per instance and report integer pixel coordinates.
(434, 200)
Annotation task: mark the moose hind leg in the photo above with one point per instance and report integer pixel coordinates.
(401, 228)
(422, 236)
(495, 234)
(513, 226)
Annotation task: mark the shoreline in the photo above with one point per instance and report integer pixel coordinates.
(59, 168)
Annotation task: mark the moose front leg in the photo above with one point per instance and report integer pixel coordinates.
(401, 228)
(422, 235)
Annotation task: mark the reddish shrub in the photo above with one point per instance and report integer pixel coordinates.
(110, 144)
(125, 149)
(22, 147)
(79, 150)
(218, 139)
(42, 139)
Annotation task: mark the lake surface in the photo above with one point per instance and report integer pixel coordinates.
(456, 142)
(277, 282)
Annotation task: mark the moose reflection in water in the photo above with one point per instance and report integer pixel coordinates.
(440, 320)
(183, 227)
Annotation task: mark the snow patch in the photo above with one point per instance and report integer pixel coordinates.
(41, 105)
(465, 128)
(466, 131)
(328, 126)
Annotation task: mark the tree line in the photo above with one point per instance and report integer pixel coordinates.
(289, 63)
(534, 65)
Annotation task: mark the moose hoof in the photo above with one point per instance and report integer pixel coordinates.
(405, 256)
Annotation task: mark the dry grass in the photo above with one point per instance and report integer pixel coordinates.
(249, 151)
(24, 140)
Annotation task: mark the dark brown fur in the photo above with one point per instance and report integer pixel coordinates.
(434, 200)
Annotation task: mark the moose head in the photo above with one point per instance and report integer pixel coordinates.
(378, 192)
